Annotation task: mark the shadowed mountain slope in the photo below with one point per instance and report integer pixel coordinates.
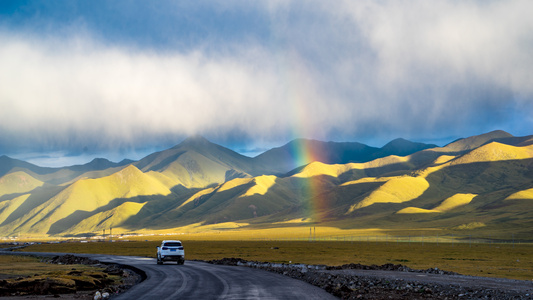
(402, 147)
(499, 136)
(301, 152)
(8, 165)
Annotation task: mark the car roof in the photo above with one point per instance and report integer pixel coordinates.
(175, 241)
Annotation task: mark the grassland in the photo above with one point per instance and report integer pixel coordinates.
(22, 266)
(491, 260)
(23, 275)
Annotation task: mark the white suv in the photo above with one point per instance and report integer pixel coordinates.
(171, 251)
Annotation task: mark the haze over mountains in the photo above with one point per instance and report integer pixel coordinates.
(484, 181)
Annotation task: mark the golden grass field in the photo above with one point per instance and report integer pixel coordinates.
(491, 260)
(27, 271)
(13, 265)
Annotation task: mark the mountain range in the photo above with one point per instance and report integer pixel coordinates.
(483, 182)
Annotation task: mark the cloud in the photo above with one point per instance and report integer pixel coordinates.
(349, 71)
(79, 89)
(418, 67)
(455, 40)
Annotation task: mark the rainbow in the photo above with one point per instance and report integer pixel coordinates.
(312, 194)
(312, 189)
(304, 153)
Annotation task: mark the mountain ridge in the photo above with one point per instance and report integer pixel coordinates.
(337, 152)
(485, 179)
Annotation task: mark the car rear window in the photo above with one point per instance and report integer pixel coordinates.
(172, 244)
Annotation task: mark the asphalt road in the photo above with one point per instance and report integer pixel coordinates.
(199, 280)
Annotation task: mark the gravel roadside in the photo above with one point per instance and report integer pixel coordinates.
(355, 281)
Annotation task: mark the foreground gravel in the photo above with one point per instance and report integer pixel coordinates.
(355, 281)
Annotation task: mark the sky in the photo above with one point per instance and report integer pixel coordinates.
(120, 79)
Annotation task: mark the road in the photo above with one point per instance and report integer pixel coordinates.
(199, 280)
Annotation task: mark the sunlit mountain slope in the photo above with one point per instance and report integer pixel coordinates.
(454, 201)
(107, 220)
(18, 182)
(395, 190)
(86, 195)
(521, 195)
(197, 163)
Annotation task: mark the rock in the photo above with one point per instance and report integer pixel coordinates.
(70, 259)
(114, 270)
(97, 296)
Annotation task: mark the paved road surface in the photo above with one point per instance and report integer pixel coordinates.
(199, 280)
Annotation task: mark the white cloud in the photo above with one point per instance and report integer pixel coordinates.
(451, 40)
(89, 89)
(355, 68)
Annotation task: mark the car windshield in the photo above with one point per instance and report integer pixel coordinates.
(172, 244)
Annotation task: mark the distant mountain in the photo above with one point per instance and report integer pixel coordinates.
(8, 164)
(98, 164)
(402, 147)
(196, 162)
(480, 184)
(18, 182)
(301, 152)
(478, 140)
(58, 175)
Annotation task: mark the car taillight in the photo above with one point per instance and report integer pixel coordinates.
(180, 248)
(165, 248)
